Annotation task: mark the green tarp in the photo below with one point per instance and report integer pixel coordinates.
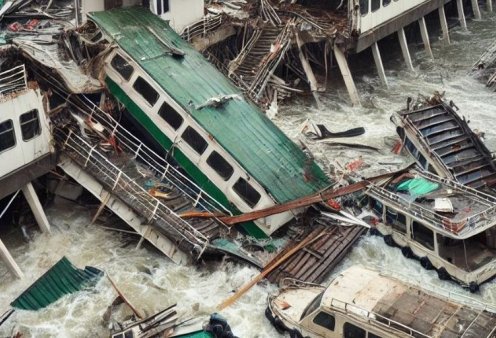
(417, 186)
(62, 279)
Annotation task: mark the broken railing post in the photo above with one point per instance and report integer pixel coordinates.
(307, 68)
(379, 65)
(345, 72)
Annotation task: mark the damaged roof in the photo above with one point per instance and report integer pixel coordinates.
(238, 125)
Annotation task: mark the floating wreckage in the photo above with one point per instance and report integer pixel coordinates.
(485, 67)
(447, 226)
(441, 141)
(363, 303)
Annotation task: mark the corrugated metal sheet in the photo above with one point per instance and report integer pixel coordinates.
(62, 279)
(239, 126)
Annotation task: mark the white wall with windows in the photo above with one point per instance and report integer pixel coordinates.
(180, 13)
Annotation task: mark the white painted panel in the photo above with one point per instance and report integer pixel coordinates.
(181, 12)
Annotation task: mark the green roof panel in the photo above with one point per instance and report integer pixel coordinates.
(238, 125)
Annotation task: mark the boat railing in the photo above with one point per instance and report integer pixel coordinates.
(201, 27)
(455, 226)
(158, 164)
(491, 82)
(127, 189)
(12, 80)
(352, 309)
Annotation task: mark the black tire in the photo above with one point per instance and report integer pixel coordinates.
(374, 232)
(473, 287)
(443, 274)
(426, 263)
(275, 321)
(294, 333)
(407, 252)
(388, 239)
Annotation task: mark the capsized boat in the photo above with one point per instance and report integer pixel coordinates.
(446, 225)
(362, 303)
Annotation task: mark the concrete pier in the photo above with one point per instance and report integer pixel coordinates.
(11, 264)
(379, 65)
(475, 7)
(36, 208)
(444, 25)
(489, 5)
(404, 49)
(425, 37)
(461, 14)
(348, 79)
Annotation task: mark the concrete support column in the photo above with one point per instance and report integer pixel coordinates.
(11, 264)
(475, 6)
(348, 79)
(36, 208)
(489, 5)
(425, 37)
(379, 65)
(461, 14)
(444, 24)
(404, 49)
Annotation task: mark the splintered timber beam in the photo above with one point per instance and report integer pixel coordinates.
(379, 65)
(268, 269)
(348, 79)
(307, 68)
(425, 37)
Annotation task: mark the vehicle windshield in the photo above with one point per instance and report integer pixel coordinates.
(313, 305)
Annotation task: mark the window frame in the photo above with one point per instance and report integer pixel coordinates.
(423, 242)
(22, 124)
(243, 196)
(12, 129)
(169, 112)
(324, 313)
(216, 161)
(118, 55)
(403, 228)
(140, 78)
(189, 129)
(354, 326)
(379, 2)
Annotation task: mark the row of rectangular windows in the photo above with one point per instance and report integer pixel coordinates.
(30, 128)
(190, 135)
(328, 322)
(374, 5)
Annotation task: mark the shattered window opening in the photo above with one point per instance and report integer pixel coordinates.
(146, 91)
(376, 4)
(325, 320)
(122, 67)
(423, 235)
(30, 125)
(7, 135)
(220, 165)
(385, 2)
(364, 7)
(352, 331)
(396, 220)
(194, 140)
(171, 116)
(246, 192)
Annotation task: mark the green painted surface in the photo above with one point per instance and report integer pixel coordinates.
(238, 126)
(199, 334)
(62, 279)
(192, 170)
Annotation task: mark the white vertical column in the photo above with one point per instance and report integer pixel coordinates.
(444, 24)
(348, 79)
(36, 208)
(379, 65)
(461, 14)
(7, 258)
(489, 4)
(404, 49)
(475, 6)
(425, 37)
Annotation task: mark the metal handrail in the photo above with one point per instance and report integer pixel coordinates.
(108, 170)
(475, 221)
(158, 164)
(201, 27)
(13, 79)
(373, 316)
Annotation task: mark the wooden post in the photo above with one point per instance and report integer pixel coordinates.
(36, 208)
(475, 6)
(11, 264)
(444, 24)
(425, 37)
(404, 49)
(379, 65)
(461, 14)
(348, 79)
